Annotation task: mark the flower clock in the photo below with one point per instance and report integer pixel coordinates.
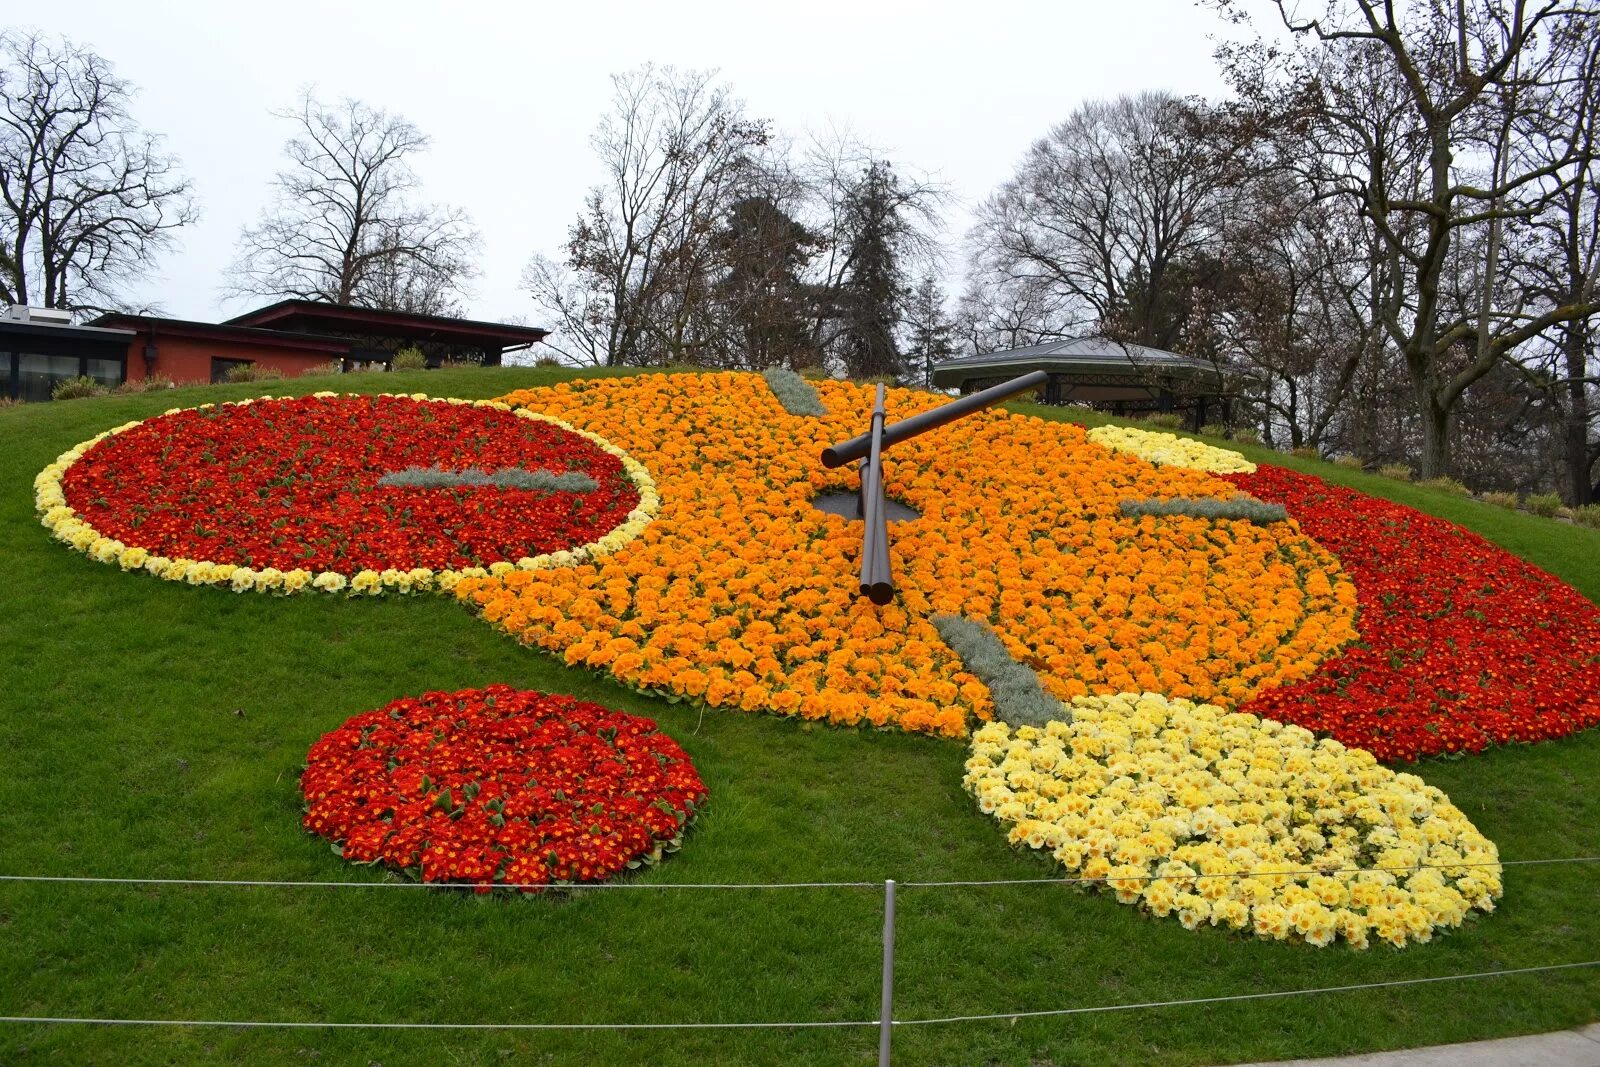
(500, 786)
(741, 594)
(1219, 658)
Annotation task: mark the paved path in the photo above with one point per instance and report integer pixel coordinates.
(1578, 1047)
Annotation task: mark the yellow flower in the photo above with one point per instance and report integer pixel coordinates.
(1170, 450)
(1151, 812)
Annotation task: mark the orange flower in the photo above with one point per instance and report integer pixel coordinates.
(755, 590)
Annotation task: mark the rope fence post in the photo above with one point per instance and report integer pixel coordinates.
(886, 1006)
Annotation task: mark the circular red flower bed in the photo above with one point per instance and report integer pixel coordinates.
(1463, 645)
(293, 483)
(500, 786)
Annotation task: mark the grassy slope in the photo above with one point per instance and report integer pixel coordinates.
(153, 729)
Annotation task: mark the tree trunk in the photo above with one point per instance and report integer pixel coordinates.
(1575, 342)
(1435, 459)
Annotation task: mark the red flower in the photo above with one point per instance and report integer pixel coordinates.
(293, 484)
(1462, 645)
(500, 786)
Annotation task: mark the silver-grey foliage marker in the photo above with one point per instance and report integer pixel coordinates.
(798, 396)
(505, 478)
(1240, 507)
(1019, 699)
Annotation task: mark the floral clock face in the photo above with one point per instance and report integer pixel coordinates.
(742, 594)
(336, 491)
(1179, 657)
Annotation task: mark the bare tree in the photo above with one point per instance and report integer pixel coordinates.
(89, 198)
(1466, 73)
(1562, 266)
(998, 312)
(640, 259)
(346, 226)
(1105, 210)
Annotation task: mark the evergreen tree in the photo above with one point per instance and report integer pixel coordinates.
(761, 295)
(930, 334)
(873, 294)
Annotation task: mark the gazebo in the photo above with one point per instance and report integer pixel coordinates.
(1122, 379)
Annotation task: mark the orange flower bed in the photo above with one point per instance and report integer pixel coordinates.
(742, 595)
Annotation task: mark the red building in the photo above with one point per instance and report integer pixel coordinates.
(39, 348)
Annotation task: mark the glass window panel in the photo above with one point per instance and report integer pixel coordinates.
(105, 371)
(38, 374)
(5, 374)
(220, 367)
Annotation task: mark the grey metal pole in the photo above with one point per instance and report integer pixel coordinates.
(876, 582)
(886, 1006)
(840, 454)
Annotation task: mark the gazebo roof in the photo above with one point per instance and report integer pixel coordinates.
(1081, 355)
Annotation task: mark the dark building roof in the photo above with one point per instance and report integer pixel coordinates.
(224, 332)
(316, 317)
(1084, 355)
(93, 334)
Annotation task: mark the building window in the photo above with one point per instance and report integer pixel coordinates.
(108, 372)
(38, 375)
(220, 367)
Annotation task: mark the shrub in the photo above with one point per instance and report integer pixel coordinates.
(1503, 500)
(153, 384)
(1165, 419)
(1242, 507)
(815, 373)
(1214, 429)
(882, 379)
(7, 402)
(1396, 470)
(74, 388)
(1352, 463)
(333, 366)
(1305, 452)
(1247, 434)
(1545, 504)
(547, 361)
(1588, 515)
(798, 396)
(252, 372)
(1447, 485)
(1019, 699)
(410, 359)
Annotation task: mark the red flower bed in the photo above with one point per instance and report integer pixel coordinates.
(500, 785)
(292, 483)
(1463, 645)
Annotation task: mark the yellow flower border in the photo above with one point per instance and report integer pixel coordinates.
(65, 525)
(1224, 818)
(1170, 450)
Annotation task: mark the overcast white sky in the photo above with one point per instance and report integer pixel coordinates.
(511, 91)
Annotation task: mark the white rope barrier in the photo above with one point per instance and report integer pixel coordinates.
(586, 886)
(256, 1024)
(1274, 995)
(818, 1024)
(89, 880)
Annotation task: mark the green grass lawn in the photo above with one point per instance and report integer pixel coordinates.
(154, 729)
